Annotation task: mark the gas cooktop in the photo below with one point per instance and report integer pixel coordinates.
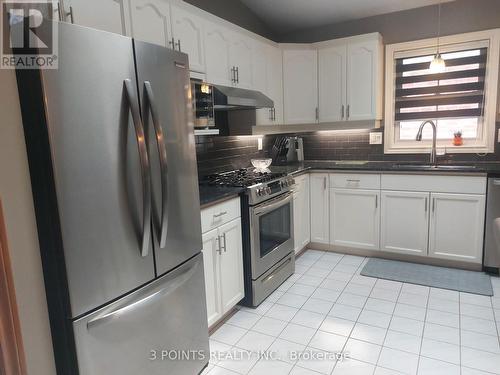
(241, 178)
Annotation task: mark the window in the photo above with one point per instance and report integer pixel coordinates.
(461, 99)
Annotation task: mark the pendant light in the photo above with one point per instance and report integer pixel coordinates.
(437, 64)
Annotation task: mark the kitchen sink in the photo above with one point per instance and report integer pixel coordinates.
(434, 167)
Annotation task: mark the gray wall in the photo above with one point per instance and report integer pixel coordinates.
(236, 12)
(456, 17)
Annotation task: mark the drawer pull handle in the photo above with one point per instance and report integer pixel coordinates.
(357, 181)
(220, 214)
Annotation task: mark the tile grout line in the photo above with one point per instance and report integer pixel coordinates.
(423, 330)
(388, 327)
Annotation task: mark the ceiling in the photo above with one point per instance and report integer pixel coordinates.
(284, 16)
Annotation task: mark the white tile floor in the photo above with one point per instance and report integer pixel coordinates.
(386, 327)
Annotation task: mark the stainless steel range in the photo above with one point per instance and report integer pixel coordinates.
(267, 215)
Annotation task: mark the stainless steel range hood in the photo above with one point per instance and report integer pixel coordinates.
(230, 98)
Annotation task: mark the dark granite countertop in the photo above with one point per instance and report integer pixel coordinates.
(388, 166)
(211, 194)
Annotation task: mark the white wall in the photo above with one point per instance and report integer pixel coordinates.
(15, 192)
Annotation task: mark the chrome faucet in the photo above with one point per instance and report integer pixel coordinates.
(433, 159)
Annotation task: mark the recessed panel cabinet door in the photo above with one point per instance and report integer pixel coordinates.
(231, 264)
(217, 55)
(332, 83)
(320, 215)
(355, 218)
(457, 227)
(240, 57)
(404, 222)
(275, 82)
(188, 34)
(211, 270)
(362, 64)
(301, 213)
(300, 86)
(107, 15)
(151, 22)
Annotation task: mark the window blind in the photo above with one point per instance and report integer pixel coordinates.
(455, 93)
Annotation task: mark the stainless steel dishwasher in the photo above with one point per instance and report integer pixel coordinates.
(491, 260)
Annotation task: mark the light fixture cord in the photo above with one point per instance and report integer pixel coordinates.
(439, 26)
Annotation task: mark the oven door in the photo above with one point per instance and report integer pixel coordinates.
(271, 238)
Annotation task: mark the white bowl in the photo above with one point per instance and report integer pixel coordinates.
(261, 163)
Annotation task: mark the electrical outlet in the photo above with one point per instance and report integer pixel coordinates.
(376, 138)
(259, 144)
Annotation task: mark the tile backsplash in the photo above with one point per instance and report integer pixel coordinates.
(218, 153)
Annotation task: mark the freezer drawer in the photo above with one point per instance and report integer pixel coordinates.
(167, 315)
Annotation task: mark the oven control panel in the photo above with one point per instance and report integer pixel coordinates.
(262, 192)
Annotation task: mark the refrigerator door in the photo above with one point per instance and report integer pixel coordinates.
(101, 166)
(144, 332)
(164, 88)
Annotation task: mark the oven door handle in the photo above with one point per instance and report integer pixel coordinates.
(271, 205)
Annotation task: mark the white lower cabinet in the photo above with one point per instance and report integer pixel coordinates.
(232, 289)
(404, 222)
(355, 218)
(223, 263)
(320, 215)
(457, 226)
(301, 213)
(211, 269)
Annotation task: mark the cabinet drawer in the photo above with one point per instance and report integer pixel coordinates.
(437, 184)
(355, 181)
(219, 214)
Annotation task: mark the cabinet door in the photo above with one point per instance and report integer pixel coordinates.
(320, 215)
(457, 227)
(355, 218)
(211, 270)
(300, 86)
(240, 57)
(332, 83)
(362, 69)
(188, 33)
(151, 22)
(217, 55)
(275, 82)
(107, 15)
(301, 213)
(404, 222)
(231, 265)
(260, 61)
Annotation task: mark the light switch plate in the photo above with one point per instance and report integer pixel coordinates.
(376, 138)
(259, 144)
(498, 139)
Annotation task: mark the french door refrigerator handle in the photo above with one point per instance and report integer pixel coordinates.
(145, 169)
(130, 303)
(162, 152)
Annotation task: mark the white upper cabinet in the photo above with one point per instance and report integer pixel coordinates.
(405, 222)
(453, 216)
(320, 214)
(188, 34)
(267, 67)
(240, 59)
(364, 78)
(300, 85)
(107, 15)
(351, 78)
(151, 22)
(217, 44)
(332, 83)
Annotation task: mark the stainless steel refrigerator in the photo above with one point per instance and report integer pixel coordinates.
(113, 167)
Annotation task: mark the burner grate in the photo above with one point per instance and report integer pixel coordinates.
(240, 178)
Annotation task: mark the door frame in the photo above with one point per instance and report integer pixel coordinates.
(12, 359)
